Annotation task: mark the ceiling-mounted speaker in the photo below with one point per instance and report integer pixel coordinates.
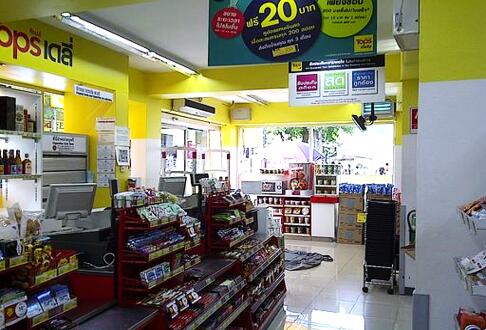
(240, 114)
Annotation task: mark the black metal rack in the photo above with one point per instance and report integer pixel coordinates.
(380, 245)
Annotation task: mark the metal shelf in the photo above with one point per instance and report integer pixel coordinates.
(300, 235)
(264, 266)
(296, 206)
(474, 225)
(290, 215)
(297, 224)
(20, 177)
(24, 135)
(471, 282)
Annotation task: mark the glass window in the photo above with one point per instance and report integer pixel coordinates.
(194, 137)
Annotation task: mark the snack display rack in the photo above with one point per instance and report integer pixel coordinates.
(225, 287)
(36, 283)
(326, 179)
(129, 264)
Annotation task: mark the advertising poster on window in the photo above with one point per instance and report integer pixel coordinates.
(352, 80)
(271, 31)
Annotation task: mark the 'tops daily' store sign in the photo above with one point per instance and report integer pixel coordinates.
(269, 31)
(352, 80)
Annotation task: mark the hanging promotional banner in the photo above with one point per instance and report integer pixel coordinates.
(269, 31)
(352, 80)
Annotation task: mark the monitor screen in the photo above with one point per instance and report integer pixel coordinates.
(70, 201)
(175, 185)
(195, 178)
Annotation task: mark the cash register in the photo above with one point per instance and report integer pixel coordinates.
(72, 223)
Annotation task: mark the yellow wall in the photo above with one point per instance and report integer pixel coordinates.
(281, 113)
(242, 78)
(148, 125)
(459, 54)
(93, 65)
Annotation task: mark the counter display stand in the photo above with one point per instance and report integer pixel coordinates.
(35, 283)
(216, 289)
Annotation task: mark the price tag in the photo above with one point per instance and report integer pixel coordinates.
(2, 265)
(47, 276)
(40, 318)
(16, 261)
(361, 218)
(73, 303)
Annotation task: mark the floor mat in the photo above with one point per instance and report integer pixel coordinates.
(297, 260)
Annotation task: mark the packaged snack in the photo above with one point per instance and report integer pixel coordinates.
(31, 223)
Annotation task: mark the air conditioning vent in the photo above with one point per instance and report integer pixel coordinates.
(193, 108)
(383, 110)
(406, 24)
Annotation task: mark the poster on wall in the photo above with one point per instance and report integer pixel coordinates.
(352, 80)
(413, 120)
(271, 31)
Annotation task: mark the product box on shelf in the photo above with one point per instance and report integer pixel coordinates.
(7, 113)
(350, 235)
(351, 203)
(349, 220)
(378, 197)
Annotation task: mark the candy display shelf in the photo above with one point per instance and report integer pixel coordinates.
(264, 266)
(472, 224)
(277, 306)
(137, 258)
(43, 318)
(470, 282)
(258, 302)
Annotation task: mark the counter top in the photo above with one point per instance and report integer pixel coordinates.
(120, 318)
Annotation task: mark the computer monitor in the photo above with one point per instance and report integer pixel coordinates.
(70, 201)
(176, 185)
(195, 178)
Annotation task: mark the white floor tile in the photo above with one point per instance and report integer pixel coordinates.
(403, 325)
(330, 296)
(404, 313)
(369, 309)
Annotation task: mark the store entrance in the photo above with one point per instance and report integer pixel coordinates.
(319, 184)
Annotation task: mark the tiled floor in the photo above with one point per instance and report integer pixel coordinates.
(330, 296)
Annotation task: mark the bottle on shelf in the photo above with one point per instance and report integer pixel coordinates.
(27, 165)
(11, 162)
(18, 162)
(6, 167)
(2, 166)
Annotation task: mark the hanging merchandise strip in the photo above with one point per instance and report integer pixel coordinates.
(105, 127)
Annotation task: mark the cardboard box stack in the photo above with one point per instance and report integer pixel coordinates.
(350, 231)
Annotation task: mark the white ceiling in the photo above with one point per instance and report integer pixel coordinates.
(179, 29)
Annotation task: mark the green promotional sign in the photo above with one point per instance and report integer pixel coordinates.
(270, 31)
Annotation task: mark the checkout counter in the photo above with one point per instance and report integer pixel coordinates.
(72, 223)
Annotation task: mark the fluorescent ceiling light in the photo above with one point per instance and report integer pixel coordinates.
(115, 39)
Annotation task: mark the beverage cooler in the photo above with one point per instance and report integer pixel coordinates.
(64, 160)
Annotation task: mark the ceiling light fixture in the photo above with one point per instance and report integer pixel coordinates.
(117, 40)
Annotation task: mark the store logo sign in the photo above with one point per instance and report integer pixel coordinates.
(335, 81)
(31, 43)
(363, 43)
(364, 79)
(307, 83)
